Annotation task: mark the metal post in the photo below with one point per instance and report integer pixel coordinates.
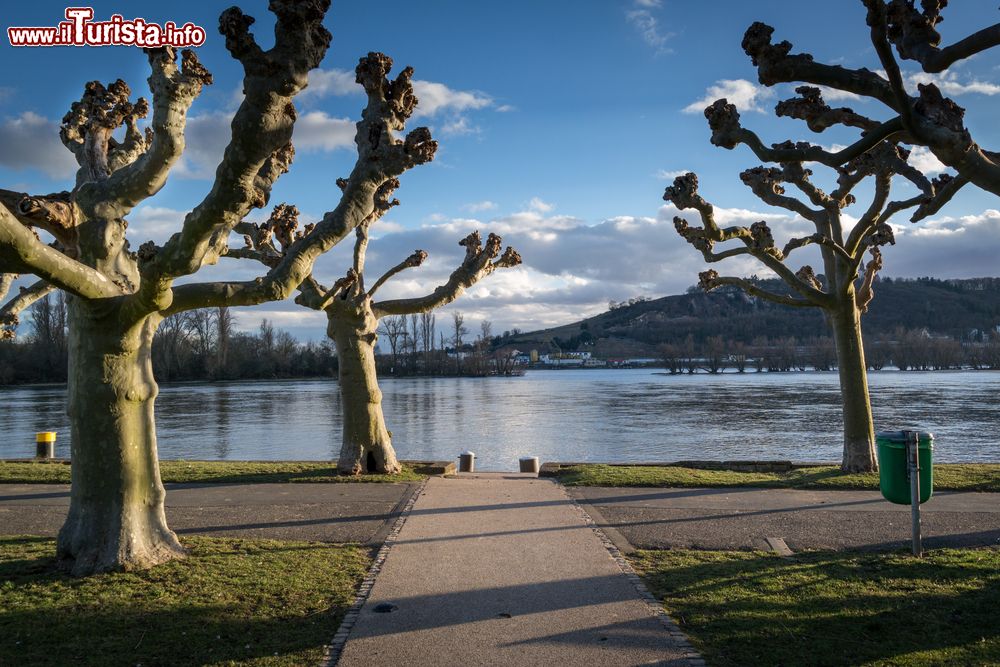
(913, 467)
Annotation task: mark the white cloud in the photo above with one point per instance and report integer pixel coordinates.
(31, 141)
(476, 207)
(318, 131)
(537, 204)
(647, 25)
(665, 175)
(505, 108)
(923, 160)
(834, 95)
(745, 95)
(950, 84)
(571, 270)
(434, 98)
(154, 223)
(459, 126)
(323, 82)
(205, 139)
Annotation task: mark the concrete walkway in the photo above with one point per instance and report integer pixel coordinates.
(743, 518)
(360, 513)
(500, 569)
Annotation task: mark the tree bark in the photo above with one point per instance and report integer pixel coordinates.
(367, 445)
(116, 519)
(859, 430)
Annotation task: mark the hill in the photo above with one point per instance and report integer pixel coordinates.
(959, 309)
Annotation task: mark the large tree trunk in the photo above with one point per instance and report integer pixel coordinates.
(859, 431)
(116, 519)
(367, 445)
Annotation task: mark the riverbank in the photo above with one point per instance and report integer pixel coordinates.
(228, 472)
(586, 415)
(947, 477)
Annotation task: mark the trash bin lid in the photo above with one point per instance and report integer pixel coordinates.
(900, 436)
(468, 453)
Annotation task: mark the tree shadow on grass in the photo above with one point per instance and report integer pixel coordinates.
(835, 608)
(225, 605)
(179, 635)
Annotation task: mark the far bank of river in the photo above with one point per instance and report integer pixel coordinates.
(626, 415)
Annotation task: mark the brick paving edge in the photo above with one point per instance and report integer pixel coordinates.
(691, 655)
(332, 652)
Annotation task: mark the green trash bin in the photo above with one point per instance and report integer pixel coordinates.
(894, 474)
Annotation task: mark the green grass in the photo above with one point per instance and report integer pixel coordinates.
(947, 477)
(229, 472)
(231, 602)
(825, 609)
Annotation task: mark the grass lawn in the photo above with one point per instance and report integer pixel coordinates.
(229, 472)
(826, 608)
(231, 602)
(947, 477)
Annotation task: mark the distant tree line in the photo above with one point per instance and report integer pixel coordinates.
(905, 349)
(196, 345)
(417, 347)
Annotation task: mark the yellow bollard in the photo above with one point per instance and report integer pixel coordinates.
(45, 445)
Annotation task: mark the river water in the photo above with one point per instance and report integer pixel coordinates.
(569, 415)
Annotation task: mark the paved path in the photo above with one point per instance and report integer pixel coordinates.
(503, 570)
(740, 518)
(323, 512)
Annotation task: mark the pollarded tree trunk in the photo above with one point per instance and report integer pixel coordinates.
(116, 519)
(859, 431)
(367, 445)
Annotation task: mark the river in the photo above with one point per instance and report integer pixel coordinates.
(570, 415)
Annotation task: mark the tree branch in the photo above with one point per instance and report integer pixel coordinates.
(709, 280)
(144, 171)
(413, 261)
(479, 263)
(259, 150)
(22, 252)
(916, 38)
(9, 313)
(775, 65)
(866, 292)
(758, 239)
(724, 121)
(6, 282)
(55, 213)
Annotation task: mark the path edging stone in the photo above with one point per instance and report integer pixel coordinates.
(332, 652)
(691, 655)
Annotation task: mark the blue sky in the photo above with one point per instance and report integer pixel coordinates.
(559, 123)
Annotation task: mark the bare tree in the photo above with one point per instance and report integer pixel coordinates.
(223, 334)
(926, 119)
(353, 316)
(841, 246)
(119, 297)
(427, 325)
(393, 329)
(459, 333)
(459, 329)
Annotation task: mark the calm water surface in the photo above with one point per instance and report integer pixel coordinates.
(578, 415)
